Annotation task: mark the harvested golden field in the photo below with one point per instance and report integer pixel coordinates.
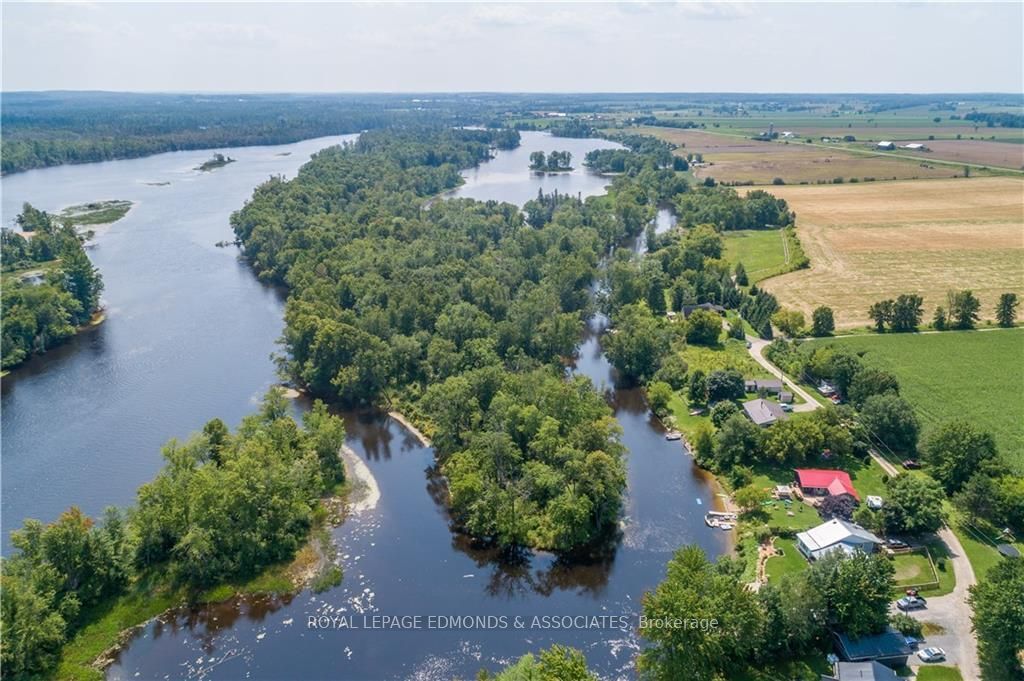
(982, 152)
(872, 241)
(735, 158)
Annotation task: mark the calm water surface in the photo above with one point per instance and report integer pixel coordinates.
(188, 338)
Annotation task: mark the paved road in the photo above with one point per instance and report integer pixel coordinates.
(951, 611)
(756, 351)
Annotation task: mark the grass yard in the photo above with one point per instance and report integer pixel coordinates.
(939, 673)
(871, 241)
(976, 375)
(790, 562)
(731, 354)
(761, 251)
(913, 569)
(868, 479)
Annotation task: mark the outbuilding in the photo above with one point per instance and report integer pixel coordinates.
(818, 482)
(836, 535)
(885, 145)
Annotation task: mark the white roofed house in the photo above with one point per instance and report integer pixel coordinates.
(836, 535)
(764, 413)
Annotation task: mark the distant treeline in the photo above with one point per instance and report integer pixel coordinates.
(1003, 119)
(48, 129)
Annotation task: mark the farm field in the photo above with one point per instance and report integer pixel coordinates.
(736, 158)
(760, 250)
(872, 241)
(984, 152)
(974, 375)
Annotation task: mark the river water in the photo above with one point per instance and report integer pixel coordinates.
(188, 338)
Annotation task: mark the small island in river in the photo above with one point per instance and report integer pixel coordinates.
(217, 161)
(555, 162)
(96, 212)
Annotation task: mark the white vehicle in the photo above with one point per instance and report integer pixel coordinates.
(932, 655)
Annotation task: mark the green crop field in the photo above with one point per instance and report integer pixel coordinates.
(761, 252)
(974, 375)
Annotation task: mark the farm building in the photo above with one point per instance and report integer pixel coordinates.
(817, 482)
(861, 671)
(836, 535)
(889, 648)
(885, 146)
(764, 413)
(769, 385)
(915, 146)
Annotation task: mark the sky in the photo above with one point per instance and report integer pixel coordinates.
(549, 47)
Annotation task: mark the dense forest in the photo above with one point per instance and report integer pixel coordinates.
(38, 315)
(460, 311)
(226, 506)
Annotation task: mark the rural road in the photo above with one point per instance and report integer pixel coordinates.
(951, 612)
(756, 351)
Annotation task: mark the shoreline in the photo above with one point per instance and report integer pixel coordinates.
(366, 488)
(397, 416)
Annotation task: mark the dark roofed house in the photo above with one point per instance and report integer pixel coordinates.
(861, 671)
(710, 307)
(764, 413)
(889, 648)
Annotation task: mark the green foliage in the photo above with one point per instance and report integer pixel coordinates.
(556, 161)
(913, 505)
(1006, 310)
(695, 590)
(905, 624)
(38, 317)
(955, 451)
(725, 385)
(658, 397)
(963, 309)
(857, 590)
(998, 616)
(639, 343)
(823, 322)
(871, 381)
(557, 663)
(727, 210)
(750, 498)
(789, 322)
(892, 420)
(531, 459)
(703, 327)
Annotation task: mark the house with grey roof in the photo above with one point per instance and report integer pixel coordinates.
(764, 413)
(836, 535)
(768, 385)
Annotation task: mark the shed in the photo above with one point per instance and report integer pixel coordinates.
(785, 397)
(886, 145)
(822, 482)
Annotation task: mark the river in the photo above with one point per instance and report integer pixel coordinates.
(400, 559)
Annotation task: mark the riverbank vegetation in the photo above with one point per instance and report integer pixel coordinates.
(96, 212)
(226, 508)
(50, 286)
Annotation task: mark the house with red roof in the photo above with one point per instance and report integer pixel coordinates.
(825, 483)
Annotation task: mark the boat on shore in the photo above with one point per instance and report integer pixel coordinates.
(721, 519)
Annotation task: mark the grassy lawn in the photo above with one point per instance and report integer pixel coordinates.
(913, 569)
(867, 478)
(976, 375)
(760, 251)
(943, 568)
(939, 673)
(791, 561)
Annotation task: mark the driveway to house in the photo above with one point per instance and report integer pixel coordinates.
(756, 351)
(951, 612)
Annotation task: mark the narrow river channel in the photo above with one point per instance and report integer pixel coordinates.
(400, 559)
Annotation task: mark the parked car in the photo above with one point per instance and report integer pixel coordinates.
(897, 544)
(786, 407)
(932, 655)
(911, 603)
(910, 464)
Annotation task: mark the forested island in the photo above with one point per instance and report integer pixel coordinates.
(555, 162)
(218, 160)
(229, 512)
(50, 286)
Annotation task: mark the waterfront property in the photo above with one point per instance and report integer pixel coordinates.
(816, 482)
(763, 412)
(836, 535)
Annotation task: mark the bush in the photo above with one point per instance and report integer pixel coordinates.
(905, 624)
